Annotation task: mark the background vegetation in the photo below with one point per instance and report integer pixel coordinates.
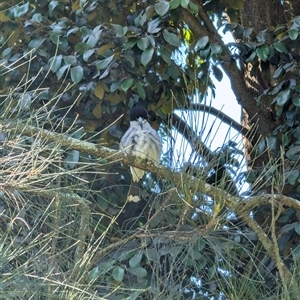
(69, 72)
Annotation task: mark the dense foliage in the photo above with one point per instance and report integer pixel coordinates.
(76, 68)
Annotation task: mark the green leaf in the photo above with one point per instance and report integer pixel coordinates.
(77, 74)
(263, 52)
(53, 4)
(173, 72)
(171, 38)
(119, 30)
(125, 254)
(85, 31)
(174, 4)
(138, 271)
(289, 66)
(24, 102)
(205, 52)
(216, 49)
(286, 139)
(184, 3)
(140, 90)
(153, 26)
(251, 57)
(94, 273)
(94, 36)
(136, 259)
(152, 254)
(130, 44)
(287, 214)
(297, 227)
(193, 7)
(278, 72)
(87, 54)
(70, 60)
(146, 56)
(152, 40)
(292, 176)
(54, 38)
(63, 44)
(187, 261)
(19, 10)
(296, 133)
(162, 7)
(201, 244)
(126, 84)
(272, 142)
(293, 153)
(143, 43)
(114, 86)
(195, 254)
(211, 272)
(6, 53)
(37, 18)
(275, 89)
(296, 23)
(293, 34)
(251, 176)
(296, 252)
(102, 64)
(201, 263)
(280, 28)
(166, 56)
(201, 43)
(61, 71)
(280, 47)
(81, 47)
(217, 73)
(36, 42)
(55, 63)
(118, 274)
(279, 111)
(296, 101)
(239, 30)
(247, 32)
(282, 97)
(173, 250)
(261, 147)
(128, 61)
(262, 37)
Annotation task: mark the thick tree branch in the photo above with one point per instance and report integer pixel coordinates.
(222, 116)
(191, 136)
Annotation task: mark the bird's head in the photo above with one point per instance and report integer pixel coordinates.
(139, 114)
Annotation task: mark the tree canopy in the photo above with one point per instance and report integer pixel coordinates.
(70, 72)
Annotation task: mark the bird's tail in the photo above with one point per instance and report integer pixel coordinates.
(137, 174)
(134, 192)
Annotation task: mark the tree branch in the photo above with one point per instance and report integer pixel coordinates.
(236, 204)
(191, 136)
(222, 116)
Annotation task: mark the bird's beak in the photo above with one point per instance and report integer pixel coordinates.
(140, 120)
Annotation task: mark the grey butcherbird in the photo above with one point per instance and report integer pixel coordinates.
(142, 141)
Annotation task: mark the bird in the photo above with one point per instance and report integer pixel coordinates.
(142, 141)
